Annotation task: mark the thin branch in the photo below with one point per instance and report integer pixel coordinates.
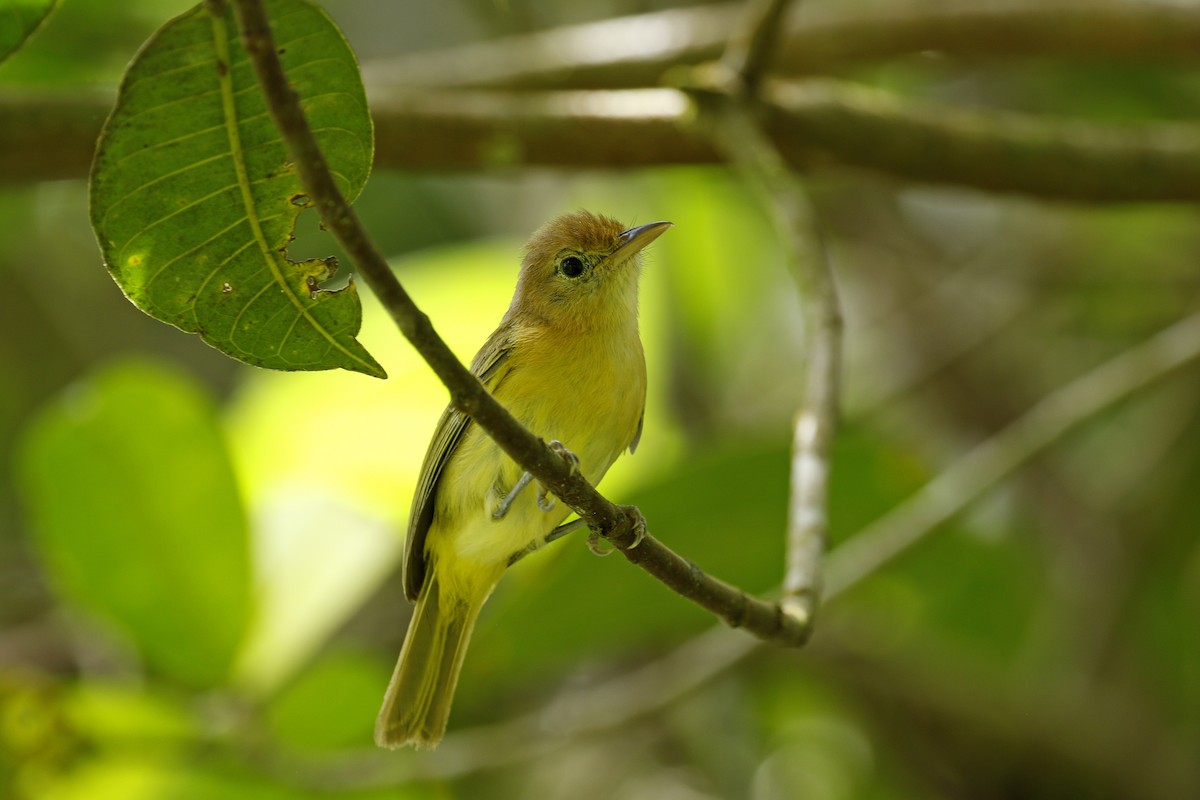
(820, 125)
(816, 420)
(998, 457)
(728, 117)
(623, 526)
(635, 51)
(752, 45)
(691, 665)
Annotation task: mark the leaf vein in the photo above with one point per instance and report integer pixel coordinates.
(221, 39)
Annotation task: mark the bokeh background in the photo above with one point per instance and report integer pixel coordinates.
(1045, 643)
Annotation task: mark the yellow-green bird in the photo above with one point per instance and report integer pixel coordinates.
(567, 362)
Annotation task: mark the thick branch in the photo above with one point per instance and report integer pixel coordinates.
(815, 124)
(634, 51)
(818, 124)
(424, 130)
(47, 138)
(837, 36)
(623, 526)
(996, 151)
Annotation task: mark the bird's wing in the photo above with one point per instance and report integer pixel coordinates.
(490, 366)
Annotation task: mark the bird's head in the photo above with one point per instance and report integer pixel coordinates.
(581, 270)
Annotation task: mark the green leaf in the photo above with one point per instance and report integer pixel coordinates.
(194, 199)
(137, 517)
(18, 20)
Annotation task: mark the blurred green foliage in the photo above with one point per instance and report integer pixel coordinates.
(87, 43)
(20, 19)
(137, 516)
(197, 586)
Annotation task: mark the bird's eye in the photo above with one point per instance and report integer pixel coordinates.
(571, 266)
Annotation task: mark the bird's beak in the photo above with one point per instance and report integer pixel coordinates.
(634, 239)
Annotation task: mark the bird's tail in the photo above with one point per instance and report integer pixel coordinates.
(417, 704)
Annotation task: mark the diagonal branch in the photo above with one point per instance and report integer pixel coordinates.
(1000, 456)
(621, 525)
(618, 701)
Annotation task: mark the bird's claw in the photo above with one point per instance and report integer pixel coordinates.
(544, 501)
(639, 530)
(566, 455)
(599, 545)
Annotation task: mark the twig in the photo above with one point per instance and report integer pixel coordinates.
(817, 417)
(621, 525)
(729, 117)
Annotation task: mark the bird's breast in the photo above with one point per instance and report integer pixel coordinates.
(587, 392)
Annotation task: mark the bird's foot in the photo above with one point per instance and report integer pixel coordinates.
(505, 504)
(566, 455)
(639, 528)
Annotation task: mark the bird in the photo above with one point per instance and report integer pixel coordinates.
(566, 360)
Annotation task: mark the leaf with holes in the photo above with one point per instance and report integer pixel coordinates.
(194, 200)
(18, 20)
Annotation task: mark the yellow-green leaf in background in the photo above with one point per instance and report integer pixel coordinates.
(194, 199)
(130, 494)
